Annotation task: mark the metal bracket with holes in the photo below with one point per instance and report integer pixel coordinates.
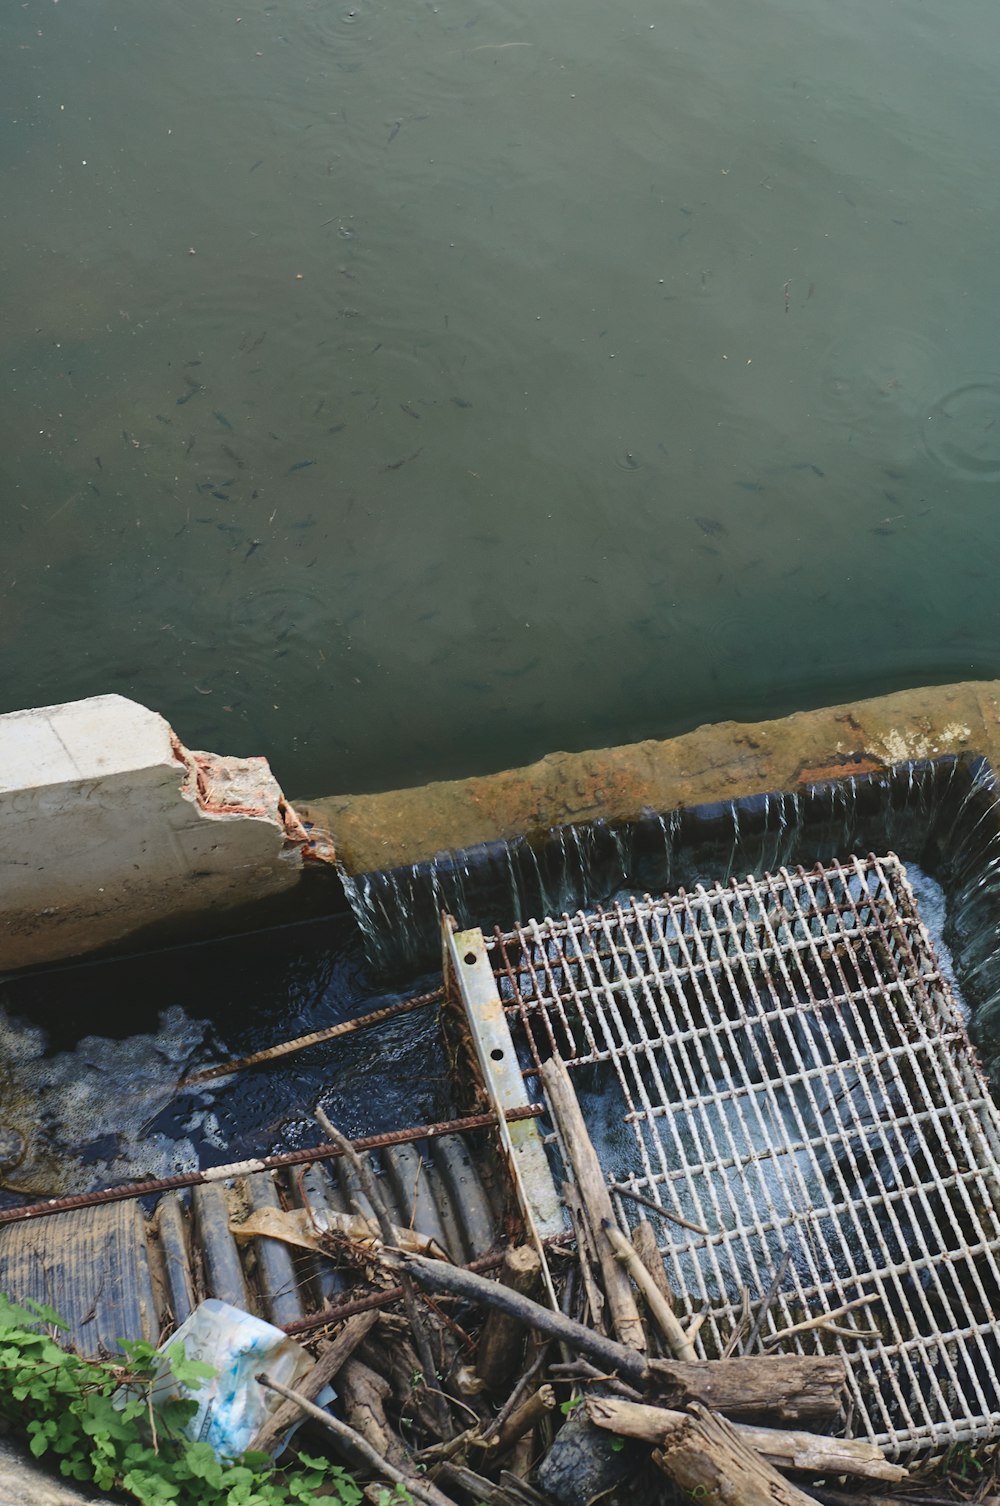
(468, 961)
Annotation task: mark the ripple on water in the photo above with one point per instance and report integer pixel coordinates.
(962, 430)
(878, 375)
(279, 625)
(348, 30)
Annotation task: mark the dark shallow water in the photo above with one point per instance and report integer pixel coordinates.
(404, 390)
(92, 1055)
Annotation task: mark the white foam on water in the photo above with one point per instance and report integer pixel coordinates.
(933, 908)
(82, 1113)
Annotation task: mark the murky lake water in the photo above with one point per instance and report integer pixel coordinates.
(404, 390)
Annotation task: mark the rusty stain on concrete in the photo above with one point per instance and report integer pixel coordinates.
(711, 763)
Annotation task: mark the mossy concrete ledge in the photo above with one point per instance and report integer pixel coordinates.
(110, 828)
(716, 762)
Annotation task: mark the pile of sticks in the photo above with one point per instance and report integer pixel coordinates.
(474, 1390)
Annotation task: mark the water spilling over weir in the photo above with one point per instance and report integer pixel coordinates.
(938, 815)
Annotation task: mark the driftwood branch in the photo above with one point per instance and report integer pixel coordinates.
(645, 1246)
(792, 1387)
(502, 1341)
(706, 1457)
(808, 1452)
(367, 1179)
(358, 1448)
(596, 1199)
(524, 1418)
(803, 1389)
(326, 1367)
(656, 1302)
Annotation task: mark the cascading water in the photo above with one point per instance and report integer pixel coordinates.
(940, 816)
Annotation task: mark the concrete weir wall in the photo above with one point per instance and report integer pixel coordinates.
(113, 834)
(108, 825)
(716, 762)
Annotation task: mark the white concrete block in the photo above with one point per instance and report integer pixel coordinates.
(108, 824)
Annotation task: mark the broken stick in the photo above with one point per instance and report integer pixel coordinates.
(266, 1440)
(706, 1457)
(661, 1310)
(771, 1382)
(596, 1199)
(808, 1452)
(358, 1447)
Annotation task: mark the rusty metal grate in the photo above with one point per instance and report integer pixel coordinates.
(780, 1062)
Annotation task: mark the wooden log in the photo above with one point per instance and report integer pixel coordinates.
(524, 1417)
(266, 1440)
(706, 1458)
(363, 1394)
(501, 1345)
(771, 1393)
(805, 1389)
(644, 1244)
(661, 1310)
(808, 1452)
(477, 1487)
(586, 1254)
(596, 1199)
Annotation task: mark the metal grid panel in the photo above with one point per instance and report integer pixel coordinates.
(797, 1081)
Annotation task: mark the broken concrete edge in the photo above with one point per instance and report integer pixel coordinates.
(110, 830)
(712, 763)
(228, 787)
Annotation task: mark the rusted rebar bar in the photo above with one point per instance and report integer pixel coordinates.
(314, 1038)
(131, 1190)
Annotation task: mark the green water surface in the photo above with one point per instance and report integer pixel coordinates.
(408, 389)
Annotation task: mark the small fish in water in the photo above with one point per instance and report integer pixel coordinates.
(394, 465)
(750, 486)
(222, 496)
(710, 525)
(188, 396)
(97, 462)
(161, 419)
(411, 411)
(254, 544)
(806, 465)
(300, 465)
(190, 445)
(394, 132)
(461, 402)
(228, 450)
(222, 419)
(336, 428)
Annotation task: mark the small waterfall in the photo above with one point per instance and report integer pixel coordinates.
(943, 815)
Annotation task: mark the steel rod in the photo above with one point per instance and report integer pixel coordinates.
(314, 1038)
(130, 1190)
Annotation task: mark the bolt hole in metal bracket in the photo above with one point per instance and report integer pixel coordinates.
(467, 961)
